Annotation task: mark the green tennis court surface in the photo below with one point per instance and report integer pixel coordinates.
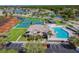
(15, 34)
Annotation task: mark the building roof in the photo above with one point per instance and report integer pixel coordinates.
(60, 48)
(58, 18)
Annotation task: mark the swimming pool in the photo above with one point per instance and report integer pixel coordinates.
(60, 33)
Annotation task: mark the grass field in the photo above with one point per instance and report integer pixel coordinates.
(22, 39)
(8, 51)
(14, 34)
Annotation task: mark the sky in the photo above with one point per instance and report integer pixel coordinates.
(39, 2)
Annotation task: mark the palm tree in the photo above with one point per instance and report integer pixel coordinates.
(35, 48)
(49, 33)
(46, 20)
(77, 32)
(30, 38)
(2, 18)
(39, 37)
(69, 13)
(74, 41)
(11, 15)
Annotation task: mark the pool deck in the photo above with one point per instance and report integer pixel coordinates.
(70, 32)
(57, 39)
(53, 37)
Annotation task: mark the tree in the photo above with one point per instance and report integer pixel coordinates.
(35, 48)
(50, 33)
(73, 40)
(68, 14)
(34, 37)
(77, 32)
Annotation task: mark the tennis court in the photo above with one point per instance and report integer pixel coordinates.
(26, 22)
(7, 26)
(18, 30)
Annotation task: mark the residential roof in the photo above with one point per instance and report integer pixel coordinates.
(60, 48)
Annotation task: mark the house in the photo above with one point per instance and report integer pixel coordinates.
(1, 12)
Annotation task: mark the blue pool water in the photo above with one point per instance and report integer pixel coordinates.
(60, 33)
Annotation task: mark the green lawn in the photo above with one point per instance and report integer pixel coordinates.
(14, 34)
(58, 22)
(23, 39)
(8, 51)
